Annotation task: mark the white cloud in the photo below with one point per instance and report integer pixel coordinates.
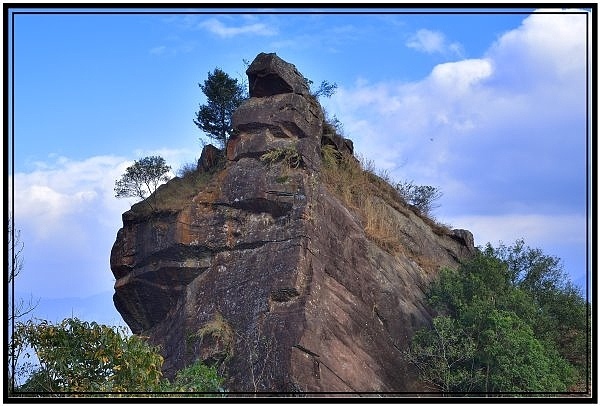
(68, 217)
(432, 42)
(47, 198)
(52, 197)
(426, 41)
(459, 77)
(552, 44)
(469, 119)
(537, 230)
(562, 235)
(502, 136)
(218, 28)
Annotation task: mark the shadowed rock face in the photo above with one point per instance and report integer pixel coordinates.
(269, 75)
(265, 272)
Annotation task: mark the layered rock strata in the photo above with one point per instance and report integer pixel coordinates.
(266, 273)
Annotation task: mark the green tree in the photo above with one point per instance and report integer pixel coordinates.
(514, 360)
(512, 324)
(561, 312)
(224, 95)
(78, 356)
(444, 356)
(142, 178)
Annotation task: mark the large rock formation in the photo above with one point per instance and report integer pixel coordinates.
(266, 272)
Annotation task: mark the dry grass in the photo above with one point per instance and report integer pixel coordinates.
(220, 330)
(354, 181)
(288, 155)
(173, 195)
(360, 190)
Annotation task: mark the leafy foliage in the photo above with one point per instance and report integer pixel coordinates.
(325, 89)
(513, 306)
(196, 378)
(332, 125)
(224, 95)
(81, 357)
(561, 313)
(77, 356)
(143, 177)
(187, 169)
(444, 356)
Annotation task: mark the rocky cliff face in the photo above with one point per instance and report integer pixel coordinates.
(260, 267)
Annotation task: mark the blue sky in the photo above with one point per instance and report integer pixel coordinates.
(490, 108)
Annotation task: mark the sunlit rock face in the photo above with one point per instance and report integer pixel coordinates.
(264, 271)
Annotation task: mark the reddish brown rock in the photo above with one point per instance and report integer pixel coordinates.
(210, 158)
(267, 274)
(269, 75)
(341, 144)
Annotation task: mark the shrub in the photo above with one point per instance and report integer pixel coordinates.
(142, 178)
(187, 169)
(196, 378)
(220, 330)
(422, 197)
(288, 155)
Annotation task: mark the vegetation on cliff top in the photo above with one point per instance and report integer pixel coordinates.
(372, 196)
(224, 95)
(142, 178)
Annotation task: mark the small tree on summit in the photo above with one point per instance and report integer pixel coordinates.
(143, 177)
(224, 95)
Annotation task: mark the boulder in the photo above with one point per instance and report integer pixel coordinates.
(341, 144)
(210, 158)
(288, 120)
(269, 75)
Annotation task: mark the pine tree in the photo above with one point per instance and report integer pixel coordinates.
(224, 95)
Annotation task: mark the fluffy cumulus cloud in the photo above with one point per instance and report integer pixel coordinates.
(502, 135)
(550, 47)
(63, 188)
(433, 42)
(69, 217)
(64, 210)
(469, 118)
(457, 78)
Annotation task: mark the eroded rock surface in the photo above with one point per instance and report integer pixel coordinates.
(266, 273)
